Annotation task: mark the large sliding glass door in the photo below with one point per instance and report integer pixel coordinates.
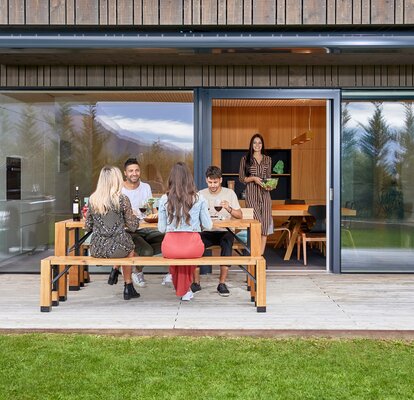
(377, 154)
(52, 141)
(232, 109)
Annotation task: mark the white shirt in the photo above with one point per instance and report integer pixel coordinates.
(138, 196)
(224, 194)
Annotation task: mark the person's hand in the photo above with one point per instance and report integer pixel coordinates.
(224, 204)
(258, 181)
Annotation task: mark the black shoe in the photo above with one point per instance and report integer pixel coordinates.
(113, 276)
(130, 292)
(222, 290)
(195, 287)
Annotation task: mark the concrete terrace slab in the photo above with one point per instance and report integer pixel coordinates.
(301, 303)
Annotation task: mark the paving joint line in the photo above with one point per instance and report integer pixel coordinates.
(334, 301)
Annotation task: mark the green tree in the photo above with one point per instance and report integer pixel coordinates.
(405, 157)
(374, 172)
(349, 153)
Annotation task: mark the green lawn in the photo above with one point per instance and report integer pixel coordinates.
(388, 237)
(38, 366)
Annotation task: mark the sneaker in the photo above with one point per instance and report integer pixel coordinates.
(188, 296)
(222, 290)
(138, 279)
(167, 280)
(195, 287)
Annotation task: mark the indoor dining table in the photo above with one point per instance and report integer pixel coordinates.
(296, 214)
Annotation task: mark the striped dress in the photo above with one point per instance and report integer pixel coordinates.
(257, 197)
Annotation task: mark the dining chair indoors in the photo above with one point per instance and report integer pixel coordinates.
(317, 233)
(284, 226)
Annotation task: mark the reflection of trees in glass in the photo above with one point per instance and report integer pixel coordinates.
(405, 157)
(92, 151)
(31, 144)
(373, 169)
(349, 154)
(157, 162)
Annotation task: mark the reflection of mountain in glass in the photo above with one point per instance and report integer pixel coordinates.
(98, 144)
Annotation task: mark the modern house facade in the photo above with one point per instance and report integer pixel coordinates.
(84, 83)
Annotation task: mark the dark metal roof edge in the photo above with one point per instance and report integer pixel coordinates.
(206, 40)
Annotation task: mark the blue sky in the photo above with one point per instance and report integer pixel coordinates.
(172, 123)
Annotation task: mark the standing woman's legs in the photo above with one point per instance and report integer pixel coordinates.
(182, 245)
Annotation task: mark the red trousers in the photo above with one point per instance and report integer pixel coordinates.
(182, 245)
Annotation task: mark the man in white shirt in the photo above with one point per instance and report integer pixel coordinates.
(147, 241)
(218, 196)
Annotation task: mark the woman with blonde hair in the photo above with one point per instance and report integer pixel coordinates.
(108, 215)
(182, 212)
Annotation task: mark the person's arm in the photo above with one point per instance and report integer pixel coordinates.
(89, 221)
(131, 220)
(269, 168)
(247, 179)
(205, 218)
(233, 207)
(162, 215)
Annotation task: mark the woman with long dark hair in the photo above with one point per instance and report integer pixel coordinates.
(182, 212)
(254, 167)
(109, 213)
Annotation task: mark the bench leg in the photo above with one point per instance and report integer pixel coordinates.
(55, 287)
(252, 269)
(45, 286)
(261, 285)
(74, 278)
(81, 276)
(249, 280)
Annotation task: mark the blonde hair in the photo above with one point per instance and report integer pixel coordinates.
(108, 190)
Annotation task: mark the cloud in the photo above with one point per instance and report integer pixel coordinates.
(361, 112)
(175, 132)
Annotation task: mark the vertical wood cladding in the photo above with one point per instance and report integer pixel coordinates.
(161, 76)
(206, 12)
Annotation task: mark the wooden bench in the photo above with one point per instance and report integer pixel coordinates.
(51, 277)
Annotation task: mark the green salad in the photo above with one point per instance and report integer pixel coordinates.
(270, 183)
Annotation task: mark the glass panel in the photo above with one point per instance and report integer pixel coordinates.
(51, 142)
(377, 218)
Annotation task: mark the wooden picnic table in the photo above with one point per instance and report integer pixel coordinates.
(68, 234)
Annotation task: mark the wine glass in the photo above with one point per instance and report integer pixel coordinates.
(143, 209)
(217, 206)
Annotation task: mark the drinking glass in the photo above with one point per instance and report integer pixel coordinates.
(143, 209)
(217, 206)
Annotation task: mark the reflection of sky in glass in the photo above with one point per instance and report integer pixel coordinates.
(394, 116)
(361, 112)
(171, 123)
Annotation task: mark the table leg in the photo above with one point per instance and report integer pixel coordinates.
(60, 250)
(261, 285)
(296, 221)
(74, 273)
(255, 251)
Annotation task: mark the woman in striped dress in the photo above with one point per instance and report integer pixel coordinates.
(255, 166)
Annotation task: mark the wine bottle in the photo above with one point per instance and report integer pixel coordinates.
(76, 205)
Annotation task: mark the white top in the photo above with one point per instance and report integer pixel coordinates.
(138, 196)
(224, 194)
